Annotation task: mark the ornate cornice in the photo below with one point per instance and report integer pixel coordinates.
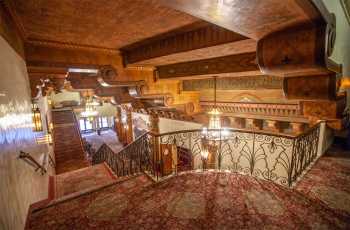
(234, 83)
(268, 109)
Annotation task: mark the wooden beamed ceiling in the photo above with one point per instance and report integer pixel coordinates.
(239, 38)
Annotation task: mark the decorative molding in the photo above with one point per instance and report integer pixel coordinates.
(268, 109)
(236, 83)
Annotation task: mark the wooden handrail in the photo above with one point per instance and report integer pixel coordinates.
(26, 156)
(77, 127)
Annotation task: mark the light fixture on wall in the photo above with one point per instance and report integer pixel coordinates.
(38, 126)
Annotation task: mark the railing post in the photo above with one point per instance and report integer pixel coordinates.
(291, 168)
(252, 162)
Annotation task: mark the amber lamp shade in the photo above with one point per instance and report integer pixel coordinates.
(38, 126)
(345, 83)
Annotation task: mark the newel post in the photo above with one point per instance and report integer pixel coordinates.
(157, 156)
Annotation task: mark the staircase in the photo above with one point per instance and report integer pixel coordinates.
(69, 151)
(108, 192)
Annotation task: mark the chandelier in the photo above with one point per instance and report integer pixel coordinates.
(90, 109)
(214, 133)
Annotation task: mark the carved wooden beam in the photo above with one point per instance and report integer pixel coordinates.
(196, 36)
(240, 63)
(83, 81)
(316, 87)
(237, 47)
(120, 94)
(151, 100)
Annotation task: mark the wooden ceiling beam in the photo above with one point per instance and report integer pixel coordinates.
(197, 36)
(242, 64)
(41, 55)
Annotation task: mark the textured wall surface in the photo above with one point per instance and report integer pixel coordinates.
(20, 185)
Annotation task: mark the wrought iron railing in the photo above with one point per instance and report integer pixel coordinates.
(134, 158)
(280, 158)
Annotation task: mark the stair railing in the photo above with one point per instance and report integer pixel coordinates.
(277, 157)
(29, 159)
(134, 158)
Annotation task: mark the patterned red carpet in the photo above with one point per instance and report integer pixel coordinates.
(329, 181)
(191, 201)
(82, 179)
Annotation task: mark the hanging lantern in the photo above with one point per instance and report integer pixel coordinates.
(214, 132)
(38, 126)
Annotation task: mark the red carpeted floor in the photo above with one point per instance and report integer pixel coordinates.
(191, 201)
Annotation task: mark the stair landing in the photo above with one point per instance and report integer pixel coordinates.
(81, 180)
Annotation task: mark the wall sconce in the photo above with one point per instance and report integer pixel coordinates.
(38, 126)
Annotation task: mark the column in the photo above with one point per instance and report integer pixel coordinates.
(129, 131)
(118, 124)
(154, 122)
